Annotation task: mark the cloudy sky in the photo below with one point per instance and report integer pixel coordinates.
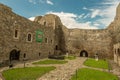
(85, 14)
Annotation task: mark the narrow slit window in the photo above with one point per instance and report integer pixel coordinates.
(46, 40)
(39, 54)
(24, 55)
(51, 41)
(56, 47)
(16, 33)
(118, 50)
(29, 38)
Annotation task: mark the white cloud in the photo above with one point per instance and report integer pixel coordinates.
(87, 15)
(32, 1)
(81, 16)
(108, 13)
(84, 8)
(95, 13)
(96, 24)
(31, 18)
(49, 2)
(68, 19)
(41, 1)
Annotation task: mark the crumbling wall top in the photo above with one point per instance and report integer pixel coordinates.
(4, 8)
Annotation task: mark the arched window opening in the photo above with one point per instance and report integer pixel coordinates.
(16, 34)
(29, 37)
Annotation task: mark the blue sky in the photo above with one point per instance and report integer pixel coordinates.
(85, 14)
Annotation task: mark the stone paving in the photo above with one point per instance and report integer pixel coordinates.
(64, 71)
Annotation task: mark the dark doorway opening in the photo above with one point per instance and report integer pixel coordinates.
(14, 55)
(83, 53)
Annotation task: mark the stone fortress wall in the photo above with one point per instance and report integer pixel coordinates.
(114, 29)
(21, 38)
(14, 37)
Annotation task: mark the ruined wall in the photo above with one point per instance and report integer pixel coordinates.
(117, 53)
(114, 29)
(57, 39)
(76, 40)
(92, 41)
(9, 22)
(54, 22)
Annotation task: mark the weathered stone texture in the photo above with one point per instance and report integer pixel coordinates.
(114, 30)
(93, 41)
(10, 21)
(57, 38)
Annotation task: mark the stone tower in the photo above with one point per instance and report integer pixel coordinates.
(118, 11)
(117, 17)
(54, 22)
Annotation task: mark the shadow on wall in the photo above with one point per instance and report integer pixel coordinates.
(61, 39)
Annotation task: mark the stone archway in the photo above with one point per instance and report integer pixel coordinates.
(14, 55)
(83, 53)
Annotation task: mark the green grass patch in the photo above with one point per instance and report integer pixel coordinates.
(50, 61)
(70, 57)
(97, 64)
(27, 73)
(91, 74)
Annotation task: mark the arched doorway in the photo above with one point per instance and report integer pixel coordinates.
(83, 53)
(14, 55)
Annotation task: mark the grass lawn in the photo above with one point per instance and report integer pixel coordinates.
(97, 64)
(90, 74)
(28, 73)
(70, 57)
(49, 61)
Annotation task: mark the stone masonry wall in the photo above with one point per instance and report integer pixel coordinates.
(10, 21)
(57, 39)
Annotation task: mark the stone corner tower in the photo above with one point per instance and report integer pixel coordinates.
(117, 17)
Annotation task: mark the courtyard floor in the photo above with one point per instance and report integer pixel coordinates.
(64, 71)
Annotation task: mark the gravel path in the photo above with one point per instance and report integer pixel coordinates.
(64, 71)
